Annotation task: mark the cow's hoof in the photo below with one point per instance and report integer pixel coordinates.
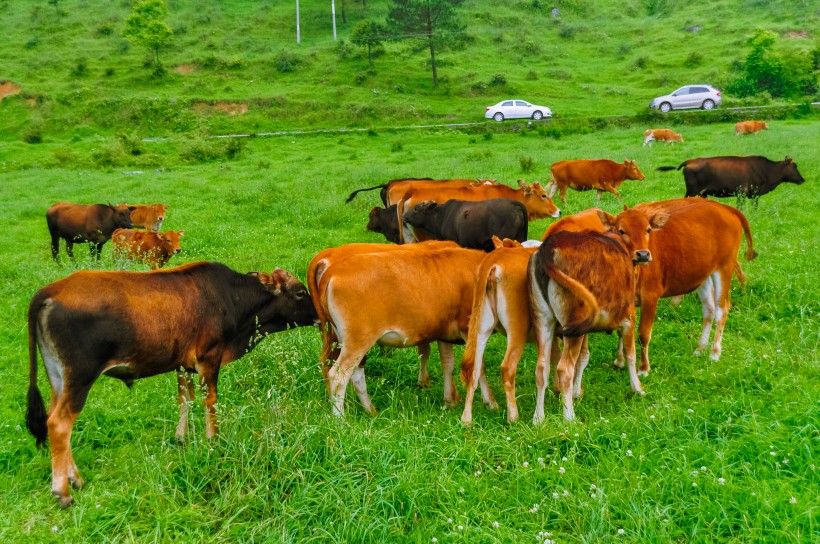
(65, 501)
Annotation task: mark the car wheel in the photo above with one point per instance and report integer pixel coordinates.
(498, 117)
(666, 107)
(537, 115)
(708, 104)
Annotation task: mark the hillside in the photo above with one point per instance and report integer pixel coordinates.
(235, 66)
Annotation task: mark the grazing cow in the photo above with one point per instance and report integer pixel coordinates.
(470, 224)
(750, 127)
(661, 135)
(152, 248)
(399, 298)
(149, 217)
(327, 257)
(751, 176)
(584, 175)
(583, 282)
(533, 196)
(130, 325)
(92, 223)
(394, 190)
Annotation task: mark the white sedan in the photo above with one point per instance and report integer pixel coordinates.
(517, 109)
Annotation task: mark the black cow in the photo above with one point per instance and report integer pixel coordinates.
(128, 325)
(385, 221)
(93, 223)
(471, 224)
(750, 176)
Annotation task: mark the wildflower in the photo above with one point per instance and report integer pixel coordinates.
(534, 508)
(508, 439)
(703, 469)
(621, 531)
(694, 484)
(564, 459)
(434, 539)
(461, 527)
(722, 481)
(561, 470)
(526, 464)
(477, 473)
(793, 500)
(55, 529)
(449, 520)
(555, 495)
(629, 453)
(623, 435)
(565, 493)
(772, 453)
(495, 525)
(785, 461)
(592, 487)
(652, 416)
(690, 411)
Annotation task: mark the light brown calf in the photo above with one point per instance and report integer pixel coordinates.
(661, 135)
(149, 217)
(151, 248)
(583, 175)
(750, 127)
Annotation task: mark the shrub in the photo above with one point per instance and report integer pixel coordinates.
(200, 150)
(81, 69)
(527, 163)
(531, 76)
(131, 144)
(286, 61)
(693, 60)
(498, 80)
(396, 147)
(33, 136)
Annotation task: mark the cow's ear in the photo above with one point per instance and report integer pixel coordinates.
(788, 160)
(607, 220)
(131, 208)
(626, 162)
(522, 184)
(536, 185)
(180, 233)
(279, 278)
(497, 242)
(658, 220)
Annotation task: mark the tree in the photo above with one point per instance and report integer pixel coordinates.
(766, 70)
(146, 27)
(367, 34)
(434, 23)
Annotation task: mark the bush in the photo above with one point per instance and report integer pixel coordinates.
(693, 60)
(498, 80)
(33, 136)
(211, 150)
(527, 163)
(286, 62)
(396, 147)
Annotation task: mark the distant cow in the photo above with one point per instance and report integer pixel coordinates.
(750, 127)
(661, 135)
(751, 176)
(471, 224)
(400, 298)
(149, 217)
(581, 282)
(394, 190)
(583, 175)
(130, 325)
(92, 223)
(152, 248)
(533, 196)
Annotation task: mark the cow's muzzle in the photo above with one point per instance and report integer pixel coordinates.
(642, 256)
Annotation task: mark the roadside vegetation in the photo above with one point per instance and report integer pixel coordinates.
(715, 452)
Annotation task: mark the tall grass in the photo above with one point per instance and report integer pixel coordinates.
(716, 452)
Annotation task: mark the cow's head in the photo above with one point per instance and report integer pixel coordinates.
(170, 241)
(537, 201)
(121, 215)
(634, 227)
(291, 298)
(632, 170)
(790, 172)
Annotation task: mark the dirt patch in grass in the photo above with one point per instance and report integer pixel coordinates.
(185, 69)
(797, 34)
(7, 88)
(231, 108)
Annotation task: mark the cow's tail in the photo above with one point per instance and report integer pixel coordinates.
(739, 274)
(357, 191)
(750, 249)
(668, 168)
(484, 282)
(581, 326)
(314, 278)
(36, 412)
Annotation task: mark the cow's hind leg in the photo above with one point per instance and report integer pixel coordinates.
(340, 374)
(583, 360)
(448, 363)
(706, 294)
(566, 373)
(185, 395)
(360, 386)
(722, 280)
(424, 356)
(208, 370)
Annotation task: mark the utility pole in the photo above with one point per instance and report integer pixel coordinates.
(333, 12)
(298, 38)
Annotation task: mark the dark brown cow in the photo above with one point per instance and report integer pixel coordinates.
(583, 282)
(152, 248)
(92, 223)
(148, 216)
(131, 325)
(584, 175)
(750, 177)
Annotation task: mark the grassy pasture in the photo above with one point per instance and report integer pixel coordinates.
(722, 452)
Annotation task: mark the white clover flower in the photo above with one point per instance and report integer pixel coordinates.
(561, 470)
(623, 435)
(690, 411)
(565, 493)
(793, 500)
(477, 473)
(772, 453)
(652, 416)
(555, 495)
(721, 481)
(629, 453)
(593, 495)
(495, 525)
(564, 459)
(703, 469)
(508, 439)
(526, 464)
(592, 487)
(461, 527)
(449, 520)
(55, 529)
(434, 539)
(694, 484)
(621, 531)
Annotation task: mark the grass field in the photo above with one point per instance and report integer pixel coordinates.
(716, 452)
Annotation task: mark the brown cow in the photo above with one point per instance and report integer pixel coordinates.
(152, 248)
(92, 223)
(130, 325)
(148, 216)
(533, 196)
(317, 267)
(583, 282)
(394, 190)
(750, 127)
(399, 299)
(584, 175)
(661, 135)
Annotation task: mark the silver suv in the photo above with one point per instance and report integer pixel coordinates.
(688, 96)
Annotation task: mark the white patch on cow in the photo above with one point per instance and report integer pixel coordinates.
(48, 350)
(649, 139)
(531, 243)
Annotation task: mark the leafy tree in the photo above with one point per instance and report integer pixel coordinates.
(435, 24)
(146, 27)
(367, 34)
(766, 70)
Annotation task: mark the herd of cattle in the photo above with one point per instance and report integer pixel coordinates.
(460, 268)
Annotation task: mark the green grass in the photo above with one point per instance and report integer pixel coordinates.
(283, 469)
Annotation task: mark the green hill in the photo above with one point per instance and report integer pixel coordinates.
(236, 67)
